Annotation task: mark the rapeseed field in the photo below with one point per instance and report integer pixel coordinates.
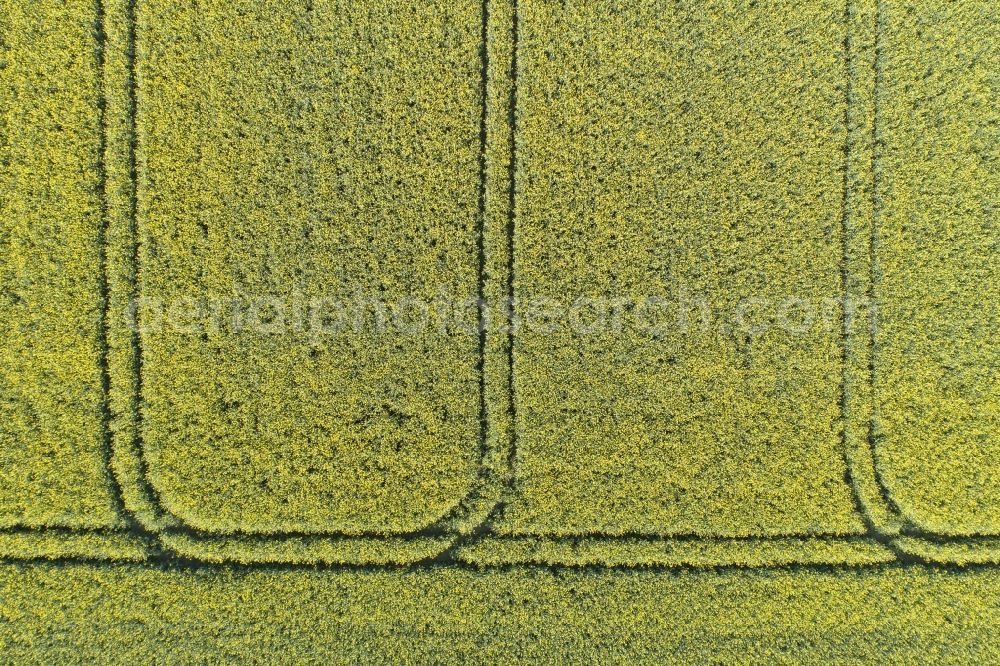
(476, 330)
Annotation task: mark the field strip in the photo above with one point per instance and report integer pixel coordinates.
(130, 461)
(875, 485)
(695, 553)
(568, 527)
(52, 543)
(918, 502)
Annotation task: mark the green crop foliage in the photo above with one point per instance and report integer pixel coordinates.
(736, 398)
